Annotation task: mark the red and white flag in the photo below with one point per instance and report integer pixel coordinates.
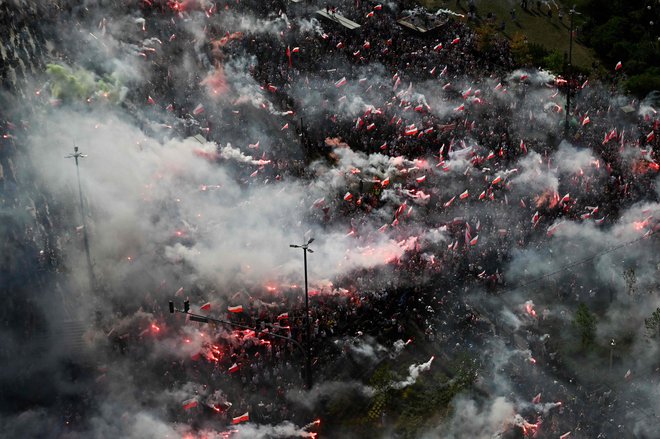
(235, 309)
(245, 417)
(537, 399)
(437, 48)
(199, 109)
(189, 404)
(565, 435)
(206, 306)
(284, 315)
(234, 368)
(474, 240)
(464, 195)
(455, 40)
(618, 66)
(348, 196)
(341, 82)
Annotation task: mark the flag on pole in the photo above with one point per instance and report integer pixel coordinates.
(235, 309)
(234, 368)
(618, 66)
(206, 306)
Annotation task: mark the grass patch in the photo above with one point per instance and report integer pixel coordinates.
(550, 33)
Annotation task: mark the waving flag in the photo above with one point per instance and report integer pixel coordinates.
(189, 404)
(341, 82)
(245, 417)
(235, 309)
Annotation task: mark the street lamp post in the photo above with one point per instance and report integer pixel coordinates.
(572, 13)
(308, 357)
(612, 345)
(78, 155)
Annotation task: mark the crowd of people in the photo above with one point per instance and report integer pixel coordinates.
(384, 89)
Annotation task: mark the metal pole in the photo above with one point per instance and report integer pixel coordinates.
(308, 359)
(568, 71)
(76, 154)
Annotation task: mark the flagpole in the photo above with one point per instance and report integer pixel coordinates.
(569, 69)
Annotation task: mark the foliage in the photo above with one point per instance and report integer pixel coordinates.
(585, 322)
(644, 83)
(80, 85)
(622, 30)
(485, 37)
(520, 49)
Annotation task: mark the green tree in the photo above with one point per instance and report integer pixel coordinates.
(585, 322)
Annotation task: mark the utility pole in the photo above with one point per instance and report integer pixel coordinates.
(308, 342)
(76, 155)
(569, 69)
